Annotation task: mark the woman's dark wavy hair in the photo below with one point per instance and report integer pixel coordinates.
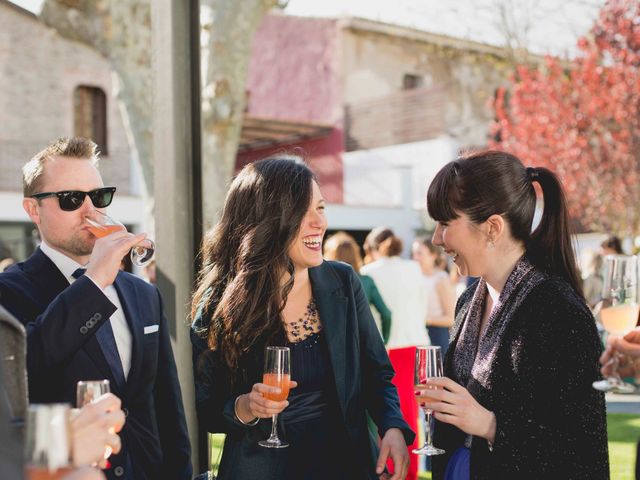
(481, 184)
(246, 255)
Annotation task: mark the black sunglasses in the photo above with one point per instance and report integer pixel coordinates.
(71, 200)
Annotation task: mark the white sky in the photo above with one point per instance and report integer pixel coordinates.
(545, 26)
(554, 25)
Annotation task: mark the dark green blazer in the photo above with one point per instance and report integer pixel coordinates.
(361, 368)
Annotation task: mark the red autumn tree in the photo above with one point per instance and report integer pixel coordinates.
(581, 119)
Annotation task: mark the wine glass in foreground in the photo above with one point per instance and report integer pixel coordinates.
(101, 225)
(619, 313)
(88, 391)
(428, 365)
(277, 365)
(48, 442)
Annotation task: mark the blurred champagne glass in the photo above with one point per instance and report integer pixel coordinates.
(619, 312)
(48, 442)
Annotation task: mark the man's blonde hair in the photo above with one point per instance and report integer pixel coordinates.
(74, 147)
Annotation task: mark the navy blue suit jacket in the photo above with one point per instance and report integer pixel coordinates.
(362, 372)
(61, 321)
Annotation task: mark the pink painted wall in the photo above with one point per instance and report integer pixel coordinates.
(294, 74)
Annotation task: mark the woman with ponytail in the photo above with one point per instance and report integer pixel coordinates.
(264, 282)
(516, 399)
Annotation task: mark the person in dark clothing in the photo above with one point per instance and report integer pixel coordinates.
(87, 320)
(516, 399)
(264, 283)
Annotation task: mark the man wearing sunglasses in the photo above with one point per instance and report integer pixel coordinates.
(96, 323)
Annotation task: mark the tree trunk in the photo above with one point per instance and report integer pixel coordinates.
(121, 31)
(230, 27)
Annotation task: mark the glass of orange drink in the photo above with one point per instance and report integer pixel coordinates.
(277, 373)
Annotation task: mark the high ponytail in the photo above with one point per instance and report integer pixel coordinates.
(550, 247)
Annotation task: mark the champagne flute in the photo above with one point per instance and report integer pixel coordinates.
(101, 225)
(88, 391)
(619, 313)
(277, 365)
(48, 442)
(428, 365)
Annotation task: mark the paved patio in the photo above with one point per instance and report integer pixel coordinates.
(623, 403)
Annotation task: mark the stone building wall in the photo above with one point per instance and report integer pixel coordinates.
(39, 71)
(376, 57)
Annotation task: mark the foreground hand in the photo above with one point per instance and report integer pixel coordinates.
(394, 446)
(254, 405)
(452, 403)
(94, 428)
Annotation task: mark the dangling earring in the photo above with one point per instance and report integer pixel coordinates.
(491, 243)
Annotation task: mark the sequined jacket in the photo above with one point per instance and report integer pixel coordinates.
(536, 376)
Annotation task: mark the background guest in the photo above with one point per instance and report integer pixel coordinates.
(440, 294)
(342, 247)
(611, 246)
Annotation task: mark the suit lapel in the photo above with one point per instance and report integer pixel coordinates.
(49, 282)
(332, 307)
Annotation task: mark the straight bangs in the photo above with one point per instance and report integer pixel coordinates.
(444, 196)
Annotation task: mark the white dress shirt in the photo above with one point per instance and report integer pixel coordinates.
(118, 321)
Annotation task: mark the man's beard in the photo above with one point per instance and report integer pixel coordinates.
(78, 246)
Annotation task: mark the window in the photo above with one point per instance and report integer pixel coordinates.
(90, 115)
(410, 81)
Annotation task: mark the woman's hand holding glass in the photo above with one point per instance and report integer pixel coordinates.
(255, 404)
(453, 404)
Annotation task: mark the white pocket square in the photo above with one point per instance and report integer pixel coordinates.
(150, 329)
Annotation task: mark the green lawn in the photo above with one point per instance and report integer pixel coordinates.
(623, 428)
(624, 432)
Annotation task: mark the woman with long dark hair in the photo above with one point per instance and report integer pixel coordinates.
(264, 283)
(516, 400)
